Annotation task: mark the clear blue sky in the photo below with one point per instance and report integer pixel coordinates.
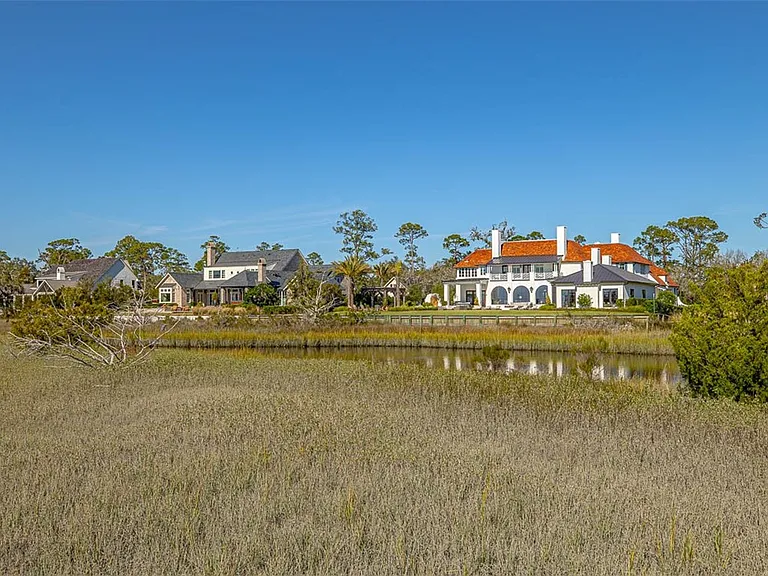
(265, 121)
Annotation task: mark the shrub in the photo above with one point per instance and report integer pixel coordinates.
(584, 301)
(548, 306)
(664, 305)
(721, 341)
(262, 295)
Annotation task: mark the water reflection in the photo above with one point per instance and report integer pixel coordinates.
(661, 369)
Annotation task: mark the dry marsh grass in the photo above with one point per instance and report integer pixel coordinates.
(230, 464)
(542, 339)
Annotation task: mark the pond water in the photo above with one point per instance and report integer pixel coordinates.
(660, 369)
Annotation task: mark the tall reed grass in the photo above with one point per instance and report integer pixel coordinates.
(231, 464)
(509, 338)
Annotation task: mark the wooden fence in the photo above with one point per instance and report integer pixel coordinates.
(551, 320)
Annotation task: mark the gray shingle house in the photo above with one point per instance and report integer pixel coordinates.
(94, 271)
(224, 280)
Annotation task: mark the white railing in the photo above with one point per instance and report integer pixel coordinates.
(499, 277)
(543, 275)
(519, 275)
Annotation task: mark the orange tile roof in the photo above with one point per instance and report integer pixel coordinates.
(480, 257)
(619, 253)
(657, 273)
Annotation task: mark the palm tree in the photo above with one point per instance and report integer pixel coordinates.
(384, 272)
(352, 268)
(397, 271)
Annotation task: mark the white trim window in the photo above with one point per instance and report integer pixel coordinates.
(543, 271)
(215, 274)
(166, 296)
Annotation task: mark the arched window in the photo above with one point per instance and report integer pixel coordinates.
(521, 294)
(499, 295)
(541, 295)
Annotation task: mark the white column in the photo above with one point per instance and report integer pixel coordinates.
(459, 293)
(447, 293)
(479, 293)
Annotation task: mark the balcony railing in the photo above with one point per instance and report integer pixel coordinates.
(543, 275)
(519, 275)
(499, 277)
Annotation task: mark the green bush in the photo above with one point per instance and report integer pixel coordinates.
(262, 295)
(721, 341)
(584, 301)
(547, 307)
(664, 305)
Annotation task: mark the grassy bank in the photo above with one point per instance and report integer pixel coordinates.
(230, 464)
(191, 335)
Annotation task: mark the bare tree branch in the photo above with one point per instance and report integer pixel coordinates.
(119, 340)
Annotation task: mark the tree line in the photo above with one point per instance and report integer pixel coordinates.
(686, 247)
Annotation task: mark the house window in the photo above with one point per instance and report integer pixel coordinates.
(504, 269)
(631, 292)
(610, 296)
(644, 293)
(568, 298)
(215, 274)
(521, 294)
(622, 265)
(542, 271)
(166, 295)
(641, 269)
(499, 295)
(541, 295)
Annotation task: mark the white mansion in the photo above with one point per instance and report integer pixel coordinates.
(529, 273)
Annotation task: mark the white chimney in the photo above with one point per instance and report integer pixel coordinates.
(495, 243)
(595, 255)
(587, 271)
(615, 238)
(562, 244)
(607, 260)
(60, 273)
(210, 253)
(261, 267)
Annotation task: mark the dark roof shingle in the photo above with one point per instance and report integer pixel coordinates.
(603, 274)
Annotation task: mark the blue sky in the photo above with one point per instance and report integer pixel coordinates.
(174, 121)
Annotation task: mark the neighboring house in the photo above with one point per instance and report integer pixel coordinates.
(177, 287)
(224, 280)
(528, 273)
(94, 271)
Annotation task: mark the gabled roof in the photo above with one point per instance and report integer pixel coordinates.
(87, 268)
(47, 286)
(186, 279)
(603, 274)
(325, 272)
(275, 259)
(527, 251)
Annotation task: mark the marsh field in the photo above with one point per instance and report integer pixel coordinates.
(232, 463)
